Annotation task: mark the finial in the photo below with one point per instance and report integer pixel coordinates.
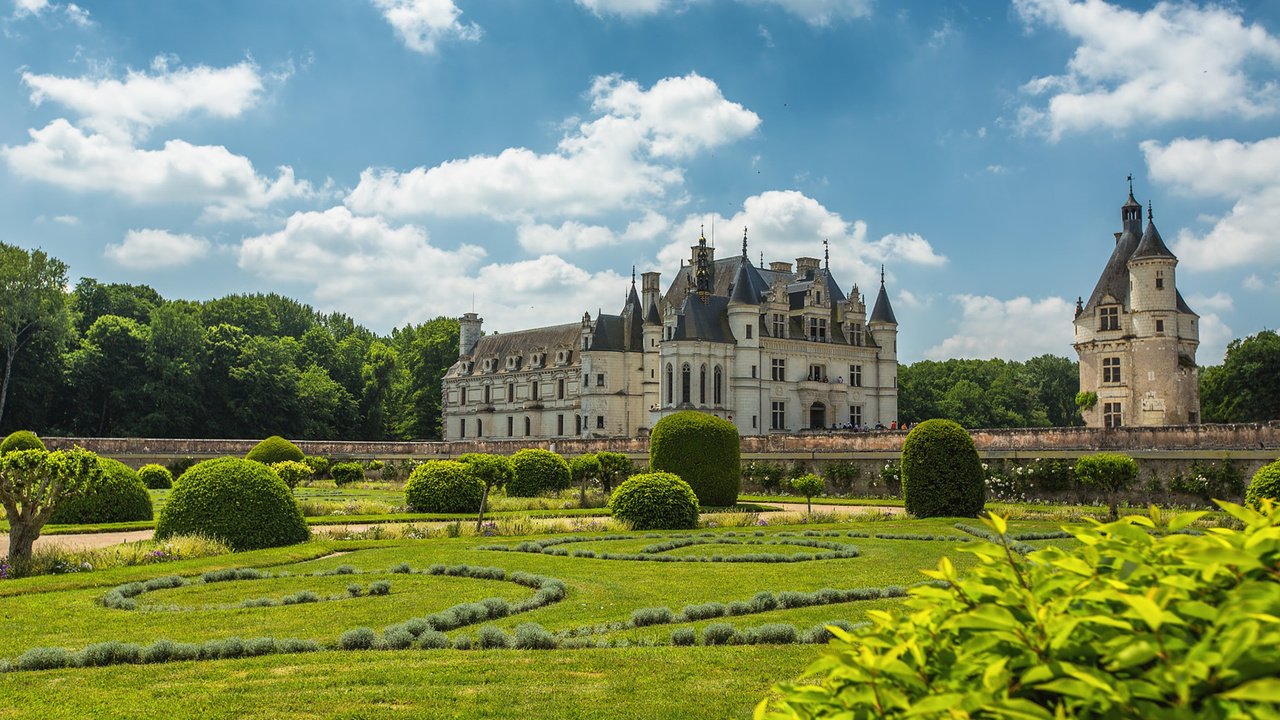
(702, 235)
(826, 253)
(744, 243)
(633, 276)
(1148, 211)
(881, 274)
(1131, 184)
(761, 258)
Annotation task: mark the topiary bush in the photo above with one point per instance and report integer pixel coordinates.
(21, 440)
(273, 450)
(655, 501)
(703, 450)
(808, 485)
(116, 495)
(941, 472)
(346, 473)
(242, 503)
(443, 486)
(1265, 484)
(537, 471)
(155, 477)
(292, 472)
(1109, 472)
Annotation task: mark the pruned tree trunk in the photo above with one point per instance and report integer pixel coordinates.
(4, 386)
(484, 500)
(22, 536)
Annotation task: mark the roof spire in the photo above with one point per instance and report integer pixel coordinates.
(1148, 211)
(881, 274)
(1130, 183)
(744, 244)
(702, 235)
(826, 253)
(761, 258)
(633, 276)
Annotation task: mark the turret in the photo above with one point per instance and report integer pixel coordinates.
(469, 333)
(1151, 273)
(883, 323)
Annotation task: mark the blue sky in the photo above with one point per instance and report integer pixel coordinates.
(393, 159)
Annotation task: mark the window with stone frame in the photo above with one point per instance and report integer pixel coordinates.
(487, 395)
(748, 331)
(1159, 279)
(855, 334)
(559, 424)
(1160, 326)
(818, 329)
(702, 385)
(462, 427)
(511, 427)
(779, 325)
(855, 376)
(1109, 317)
(511, 392)
(1110, 369)
(778, 416)
(818, 373)
(779, 368)
(599, 379)
(600, 422)
(462, 396)
(718, 384)
(685, 383)
(855, 415)
(560, 389)
(1112, 415)
(534, 393)
(671, 385)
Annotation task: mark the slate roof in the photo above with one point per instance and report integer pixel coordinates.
(1151, 245)
(522, 343)
(1115, 276)
(704, 321)
(882, 312)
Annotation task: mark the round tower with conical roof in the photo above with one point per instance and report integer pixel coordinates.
(883, 325)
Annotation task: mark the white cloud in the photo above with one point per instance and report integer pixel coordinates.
(1175, 61)
(819, 13)
(618, 161)
(1219, 301)
(1014, 329)
(150, 249)
(34, 8)
(1214, 337)
(66, 219)
(1243, 172)
(421, 24)
(571, 235)
(142, 101)
(628, 8)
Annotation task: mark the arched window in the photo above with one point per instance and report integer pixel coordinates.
(671, 384)
(702, 385)
(719, 384)
(684, 383)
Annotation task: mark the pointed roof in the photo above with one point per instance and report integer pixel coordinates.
(651, 316)
(883, 311)
(1151, 245)
(748, 285)
(1114, 280)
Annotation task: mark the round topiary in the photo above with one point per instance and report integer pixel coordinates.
(443, 486)
(292, 472)
(242, 503)
(155, 477)
(345, 473)
(703, 450)
(941, 472)
(536, 472)
(655, 501)
(117, 495)
(1265, 484)
(21, 440)
(273, 450)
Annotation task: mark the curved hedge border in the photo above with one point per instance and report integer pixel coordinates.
(655, 553)
(122, 597)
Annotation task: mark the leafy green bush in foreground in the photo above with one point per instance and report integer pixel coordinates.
(1140, 620)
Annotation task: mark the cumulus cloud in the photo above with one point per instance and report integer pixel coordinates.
(1214, 337)
(620, 160)
(1219, 301)
(1242, 172)
(150, 249)
(421, 24)
(34, 8)
(571, 235)
(819, 13)
(1175, 61)
(1015, 329)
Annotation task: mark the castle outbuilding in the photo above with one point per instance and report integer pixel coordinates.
(1136, 336)
(781, 349)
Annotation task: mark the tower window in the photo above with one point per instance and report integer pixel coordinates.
(1109, 318)
(1112, 417)
(600, 422)
(1159, 326)
(599, 379)
(748, 332)
(671, 384)
(1159, 283)
(719, 399)
(779, 369)
(1111, 370)
(702, 385)
(684, 383)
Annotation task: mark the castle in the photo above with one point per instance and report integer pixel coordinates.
(780, 349)
(1136, 336)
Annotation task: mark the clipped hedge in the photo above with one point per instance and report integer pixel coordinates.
(537, 471)
(117, 495)
(443, 486)
(155, 477)
(346, 473)
(273, 450)
(703, 450)
(655, 501)
(1265, 484)
(21, 440)
(941, 472)
(240, 502)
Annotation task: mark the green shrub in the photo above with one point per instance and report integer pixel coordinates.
(242, 503)
(614, 468)
(273, 450)
(655, 501)
(117, 495)
(443, 486)
(777, 634)
(346, 473)
(1265, 484)
(1126, 624)
(491, 637)
(492, 470)
(1210, 481)
(684, 636)
(701, 449)
(585, 467)
(1109, 472)
(644, 617)
(433, 640)
(941, 472)
(292, 472)
(361, 638)
(717, 633)
(532, 636)
(177, 467)
(21, 440)
(155, 477)
(319, 466)
(536, 472)
(808, 486)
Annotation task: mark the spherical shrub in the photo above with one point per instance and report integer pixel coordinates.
(536, 472)
(941, 472)
(443, 486)
(346, 473)
(1265, 484)
(117, 495)
(655, 501)
(273, 450)
(155, 477)
(703, 450)
(242, 503)
(292, 472)
(21, 440)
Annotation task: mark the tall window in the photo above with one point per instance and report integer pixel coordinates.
(753, 371)
(702, 385)
(599, 379)
(560, 424)
(1109, 317)
(719, 398)
(479, 427)
(511, 392)
(671, 384)
(778, 417)
(855, 415)
(817, 372)
(560, 391)
(526, 427)
(779, 325)
(600, 422)
(462, 396)
(511, 427)
(684, 383)
(486, 395)
(1112, 416)
(855, 375)
(533, 390)
(1159, 326)
(779, 366)
(818, 329)
(462, 427)
(1111, 370)
(1159, 279)
(748, 331)
(855, 331)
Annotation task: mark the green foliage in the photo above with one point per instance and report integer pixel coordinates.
(155, 477)
(319, 465)
(768, 475)
(614, 468)
(273, 450)
(1246, 386)
(21, 440)
(809, 485)
(1264, 485)
(941, 472)
(240, 502)
(537, 471)
(492, 470)
(346, 473)
(32, 305)
(292, 472)
(32, 485)
(841, 474)
(584, 467)
(443, 486)
(701, 449)
(1109, 472)
(655, 501)
(1128, 624)
(991, 393)
(1210, 481)
(1086, 400)
(116, 494)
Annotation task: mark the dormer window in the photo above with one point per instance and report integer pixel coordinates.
(1109, 317)
(817, 298)
(855, 332)
(512, 361)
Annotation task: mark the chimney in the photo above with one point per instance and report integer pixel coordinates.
(469, 333)
(649, 291)
(807, 267)
(780, 267)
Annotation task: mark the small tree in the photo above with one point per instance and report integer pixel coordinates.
(292, 472)
(584, 468)
(32, 483)
(808, 485)
(492, 470)
(614, 468)
(1109, 472)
